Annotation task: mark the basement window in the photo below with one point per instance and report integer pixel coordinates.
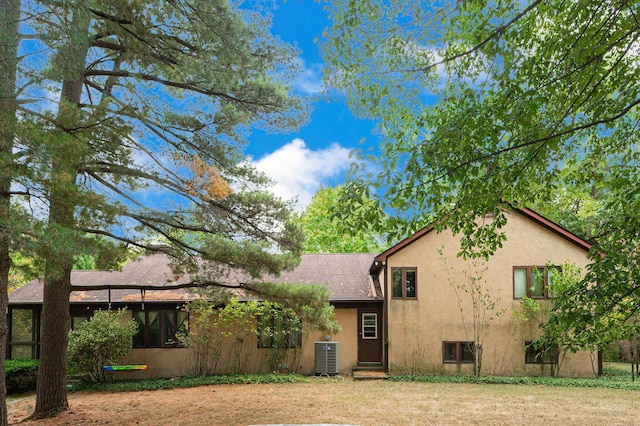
(457, 352)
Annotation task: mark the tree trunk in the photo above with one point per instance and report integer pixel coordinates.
(51, 390)
(9, 18)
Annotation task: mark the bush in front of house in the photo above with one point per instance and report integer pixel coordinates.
(21, 374)
(103, 340)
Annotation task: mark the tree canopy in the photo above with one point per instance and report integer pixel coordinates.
(132, 120)
(325, 231)
(486, 106)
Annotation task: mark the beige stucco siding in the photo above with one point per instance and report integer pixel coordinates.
(347, 342)
(418, 328)
(174, 362)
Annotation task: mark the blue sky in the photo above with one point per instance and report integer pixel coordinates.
(318, 153)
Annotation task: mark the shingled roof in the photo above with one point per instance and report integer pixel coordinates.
(345, 275)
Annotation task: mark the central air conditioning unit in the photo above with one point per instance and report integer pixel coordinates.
(327, 358)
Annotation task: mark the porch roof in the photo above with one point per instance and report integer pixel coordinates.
(345, 275)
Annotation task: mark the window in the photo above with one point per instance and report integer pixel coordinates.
(369, 326)
(279, 329)
(534, 281)
(403, 282)
(537, 355)
(157, 328)
(24, 333)
(457, 352)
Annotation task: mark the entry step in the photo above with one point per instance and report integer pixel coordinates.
(369, 375)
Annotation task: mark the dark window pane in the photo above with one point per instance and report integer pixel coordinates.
(138, 339)
(467, 352)
(183, 321)
(450, 352)
(411, 283)
(532, 355)
(168, 328)
(537, 282)
(396, 276)
(76, 321)
(153, 329)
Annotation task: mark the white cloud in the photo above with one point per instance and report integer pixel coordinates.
(309, 81)
(299, 171)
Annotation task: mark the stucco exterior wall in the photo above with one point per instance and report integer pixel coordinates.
(417, 328)
(174, 362)
(347, 339)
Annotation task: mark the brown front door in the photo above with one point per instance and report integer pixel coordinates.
(370, 335)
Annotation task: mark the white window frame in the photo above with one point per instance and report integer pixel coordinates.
(375, 326)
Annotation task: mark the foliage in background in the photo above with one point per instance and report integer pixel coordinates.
(327, 231)
(23, 270)
(103, 340)
(486, 106)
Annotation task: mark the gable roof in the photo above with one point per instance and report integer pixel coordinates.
(528, 213)
(345, 275)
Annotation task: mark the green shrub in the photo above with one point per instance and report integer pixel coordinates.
(21, 374)
(103, 340)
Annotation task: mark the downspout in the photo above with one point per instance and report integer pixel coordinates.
(385, 315)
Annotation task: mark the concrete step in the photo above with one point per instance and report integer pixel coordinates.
(369, 366)
(369, 375)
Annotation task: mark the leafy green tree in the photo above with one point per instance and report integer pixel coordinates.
(9, 39)
(327, 231)
(482, 106)
(152, 96)
(103, 340)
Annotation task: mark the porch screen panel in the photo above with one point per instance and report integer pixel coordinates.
(138, 339)
(22, 325)
(153, 329)
(23, 333)
(168, 329)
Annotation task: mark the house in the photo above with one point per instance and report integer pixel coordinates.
(405, 309)
(153, 296)
(429, 310)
